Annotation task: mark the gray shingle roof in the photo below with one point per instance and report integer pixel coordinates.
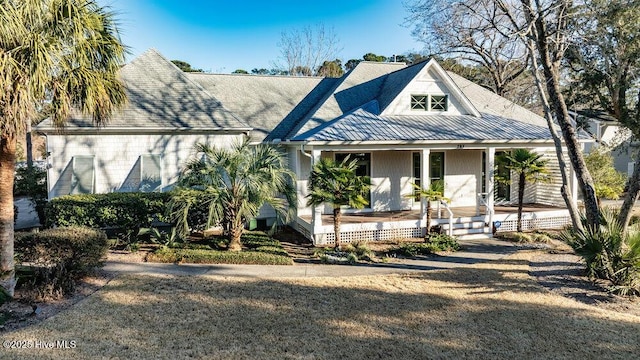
(269, 104)
(488, 102)
(362, 125)
(357, 87)
(160, 96)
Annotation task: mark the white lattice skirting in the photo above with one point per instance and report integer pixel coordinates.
(412, 229)
(557, 222)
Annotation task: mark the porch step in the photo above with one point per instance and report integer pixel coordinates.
(469, 231)
(469, 227)
(474, 236)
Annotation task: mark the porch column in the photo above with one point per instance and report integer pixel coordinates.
(425, 181)
(489, 182)
(316, 211)
(574, 186)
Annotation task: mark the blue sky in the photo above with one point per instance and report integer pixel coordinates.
(222, 36)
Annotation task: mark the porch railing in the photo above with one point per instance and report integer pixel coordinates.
(446, 206)
(488, 209)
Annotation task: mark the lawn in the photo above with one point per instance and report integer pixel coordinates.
(493, 310)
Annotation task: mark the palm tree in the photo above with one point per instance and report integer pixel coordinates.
(337, 184)
(234, 184)
(528, 167)
(65, 53)
(435, 192)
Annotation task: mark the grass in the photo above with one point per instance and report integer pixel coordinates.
(489, 310)
(259, 249)
(208, 256)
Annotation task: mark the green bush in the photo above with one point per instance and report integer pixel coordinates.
(202, 256)
(443, 242)
(610, 253)
(439, 242)
(53, 260)
(124, 213)
(609, 183)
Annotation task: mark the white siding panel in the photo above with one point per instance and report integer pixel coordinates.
(463, 173)
(116, 155)
(390, 180)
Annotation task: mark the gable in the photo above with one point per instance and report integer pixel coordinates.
(425, 89)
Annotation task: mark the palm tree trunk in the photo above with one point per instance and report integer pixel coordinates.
(521, 185)
(235, 233)
(7, 168)
(337, 219)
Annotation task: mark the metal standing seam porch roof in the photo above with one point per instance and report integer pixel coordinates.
(362, 125)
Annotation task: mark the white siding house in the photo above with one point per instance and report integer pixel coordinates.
(405, 125)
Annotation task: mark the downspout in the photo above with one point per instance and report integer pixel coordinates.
(304, 153)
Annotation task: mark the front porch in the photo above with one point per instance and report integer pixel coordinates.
(466, 220)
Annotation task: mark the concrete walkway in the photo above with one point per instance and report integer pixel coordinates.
(474, 252)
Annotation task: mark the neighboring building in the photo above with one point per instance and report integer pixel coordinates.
(404, 124)
(609, 134)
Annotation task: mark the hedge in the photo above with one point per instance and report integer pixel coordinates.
(52, 260)
(127, 212)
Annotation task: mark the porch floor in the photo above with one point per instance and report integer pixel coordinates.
(400, 215)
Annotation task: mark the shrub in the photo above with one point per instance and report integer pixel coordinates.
(609, 183)
(435, 243)
(125, 213)
(54, 259)
(610, 253)
(443, 242)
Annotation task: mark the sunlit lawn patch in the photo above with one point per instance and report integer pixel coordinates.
(491, 310)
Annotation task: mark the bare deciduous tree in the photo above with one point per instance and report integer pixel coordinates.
(304, 50)
(472, 30)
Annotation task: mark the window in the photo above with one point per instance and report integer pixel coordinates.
(438, 103)
(436, 169)
(419, 102)
(436, 163)
(430, 102)
(83, 175)
(417, 166)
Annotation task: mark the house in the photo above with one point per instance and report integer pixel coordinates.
(404, 124)
(610, 135)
